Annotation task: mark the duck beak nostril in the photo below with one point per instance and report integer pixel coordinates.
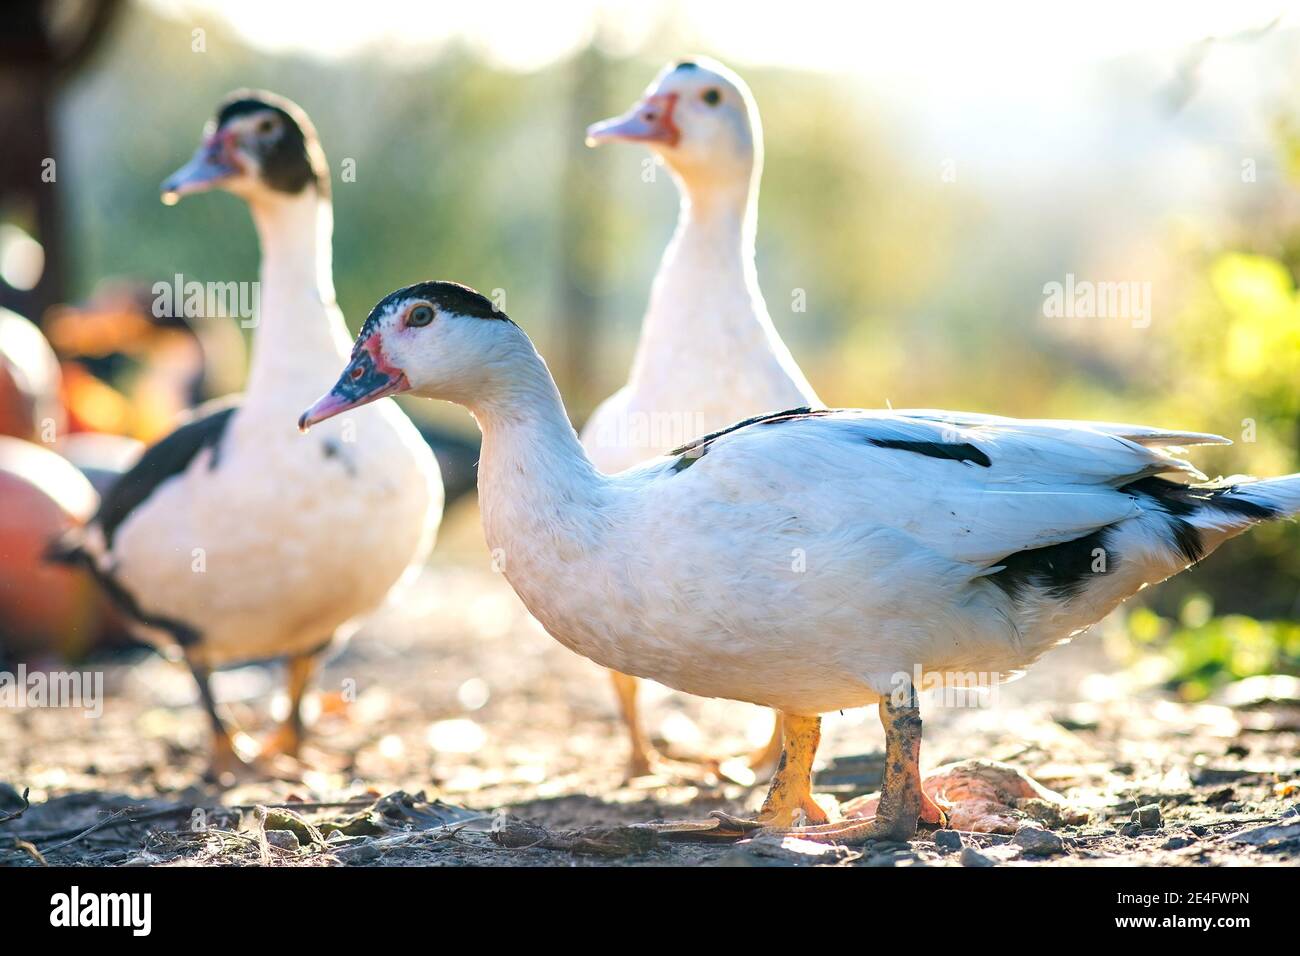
(205, 170)
(367, 379)
(650, 121)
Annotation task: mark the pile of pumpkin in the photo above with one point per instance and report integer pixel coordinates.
(52, 469)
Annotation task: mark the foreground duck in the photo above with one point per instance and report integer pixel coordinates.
(232, 539)
(807, 561)
(709, 354)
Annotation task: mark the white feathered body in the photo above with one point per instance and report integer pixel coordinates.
(802, 566)
(272, 542)
(708, 356)
(289, 538)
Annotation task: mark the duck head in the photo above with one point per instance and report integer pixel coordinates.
(700, 117)
(257, 145)
(435, 339)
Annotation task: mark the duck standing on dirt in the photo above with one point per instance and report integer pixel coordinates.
(709, 354)
(933, 542)
(233, 539)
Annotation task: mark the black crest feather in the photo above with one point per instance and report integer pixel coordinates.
(295, 158)
(446, 296)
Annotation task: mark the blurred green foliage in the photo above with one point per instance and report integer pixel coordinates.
(1240, 332)
(1238, 343)
(1203, 652)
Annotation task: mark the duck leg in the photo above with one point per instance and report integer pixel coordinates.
(225, 761)
(789, 793)
(645, 760)
(901, 799)
(769, 755)
(287, 738)
(791, 789)
(625, 687)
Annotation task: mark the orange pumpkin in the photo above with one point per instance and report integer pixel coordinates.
(30, 406)
(44, 608)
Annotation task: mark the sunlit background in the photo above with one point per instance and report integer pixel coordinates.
(929, 169)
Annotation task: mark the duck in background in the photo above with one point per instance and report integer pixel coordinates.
(936, 542)
(232, 539)
(709, 354)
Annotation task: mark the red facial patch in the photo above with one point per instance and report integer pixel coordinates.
(662, 106)
(223, 147)
(376, 349)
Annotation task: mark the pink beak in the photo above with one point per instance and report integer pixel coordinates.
(367, 379)
(650, 121)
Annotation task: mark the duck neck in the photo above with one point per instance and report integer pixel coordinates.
(705, 302)
(300, 336)
(534, 476)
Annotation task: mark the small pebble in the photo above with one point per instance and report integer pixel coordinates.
(1035, 841)
(890, 847)
(973, 857)
(10, 798)
(948, 839)
(284, 839)
(1232, 807)
(361, 853)
(1177, 842)
(1148, 817)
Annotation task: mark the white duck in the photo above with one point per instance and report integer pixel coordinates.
(807, 561)
(233, 538)
(709, 354)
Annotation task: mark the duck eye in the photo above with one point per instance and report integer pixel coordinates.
(711, 96)
(265, 126)
(420, 315)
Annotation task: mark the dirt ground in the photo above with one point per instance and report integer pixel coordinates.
(452, 731)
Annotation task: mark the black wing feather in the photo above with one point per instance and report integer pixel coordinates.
(169, 456)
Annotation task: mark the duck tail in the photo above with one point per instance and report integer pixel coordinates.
(1214, 512)
(1261, 500)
